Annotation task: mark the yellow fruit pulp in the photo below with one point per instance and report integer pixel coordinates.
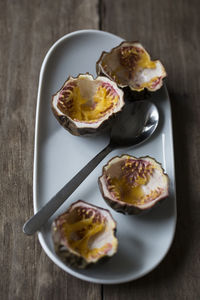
(131, 61)
(79, 234)
(93, 109)
(145, 62)
(129, 193)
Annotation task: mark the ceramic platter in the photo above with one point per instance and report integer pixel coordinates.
(143, 240)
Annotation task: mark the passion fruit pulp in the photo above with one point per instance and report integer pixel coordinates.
(85, 105)
(129, 64)
(133, 185)
(84, 234)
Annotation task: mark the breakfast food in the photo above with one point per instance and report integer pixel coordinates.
(84, 234)
(129, 64)
(133, 185)
(85, 105)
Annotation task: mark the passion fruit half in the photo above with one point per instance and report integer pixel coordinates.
(84, 105)
(133, 185)
(129, 64)
(84, 234)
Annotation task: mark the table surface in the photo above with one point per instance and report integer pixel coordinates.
(169, 30)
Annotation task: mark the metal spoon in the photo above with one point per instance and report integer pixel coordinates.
(133, 125)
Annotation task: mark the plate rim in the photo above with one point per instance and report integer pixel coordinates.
(40, 235)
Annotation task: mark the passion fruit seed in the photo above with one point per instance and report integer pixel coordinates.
(133, 185)
(84, 234)
(134, 174)
(84, 104)
(129, 57)
(89, 213)
(71, 103)
(129, 64)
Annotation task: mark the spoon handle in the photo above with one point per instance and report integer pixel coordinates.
(36, 221)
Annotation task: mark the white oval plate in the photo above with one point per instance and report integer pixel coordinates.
(143, 240)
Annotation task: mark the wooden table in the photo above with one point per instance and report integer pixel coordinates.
(170, 30)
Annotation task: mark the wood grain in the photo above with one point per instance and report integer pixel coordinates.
(27, 30)
(170, 30)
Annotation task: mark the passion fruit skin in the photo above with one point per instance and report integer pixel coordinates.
(121, 207)
(125, 208)
(67, 255)
(86, 128)
(62, 251)
(129, 208)
(123, 83)
(66, 123)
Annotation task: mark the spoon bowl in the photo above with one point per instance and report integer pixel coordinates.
(133, 125)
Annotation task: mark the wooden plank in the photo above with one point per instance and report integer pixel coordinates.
(27, 30)
(170, 31)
